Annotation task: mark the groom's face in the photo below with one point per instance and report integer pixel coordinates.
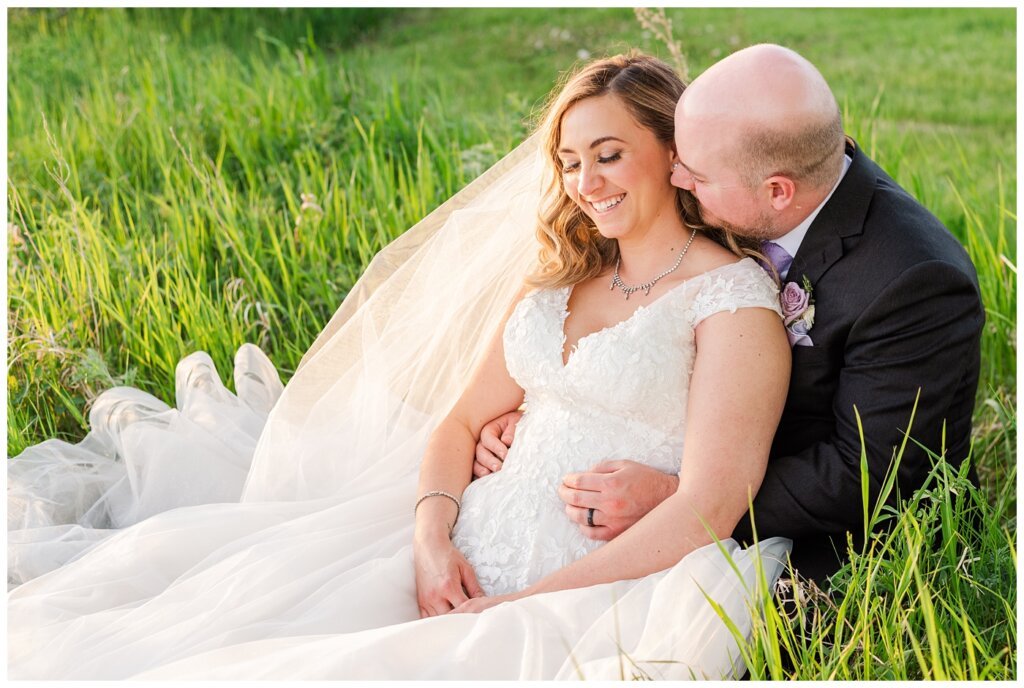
(709, 172)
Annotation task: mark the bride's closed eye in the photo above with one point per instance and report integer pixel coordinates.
(567, 168)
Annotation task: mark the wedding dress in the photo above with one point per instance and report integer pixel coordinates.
(308, 573)
(141, 457)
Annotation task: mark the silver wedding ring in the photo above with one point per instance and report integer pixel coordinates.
(590, 517)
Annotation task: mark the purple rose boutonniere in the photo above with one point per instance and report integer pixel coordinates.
(798, 312)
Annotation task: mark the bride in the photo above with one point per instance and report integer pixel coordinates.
(356, 545)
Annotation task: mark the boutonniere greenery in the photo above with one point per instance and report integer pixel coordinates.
(797, 302)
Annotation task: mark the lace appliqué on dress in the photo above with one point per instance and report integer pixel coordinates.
(746, 289)
(621, 395)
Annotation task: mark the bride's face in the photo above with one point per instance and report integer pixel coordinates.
(616, 170)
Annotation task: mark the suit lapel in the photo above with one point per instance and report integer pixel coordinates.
(842, 216)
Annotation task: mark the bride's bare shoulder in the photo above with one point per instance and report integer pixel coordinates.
(706, 254)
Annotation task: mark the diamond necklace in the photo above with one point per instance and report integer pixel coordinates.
(646, 286)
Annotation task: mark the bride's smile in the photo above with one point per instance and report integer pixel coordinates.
(606, 206)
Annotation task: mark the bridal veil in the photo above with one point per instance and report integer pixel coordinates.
(400, 349)
(354, 417)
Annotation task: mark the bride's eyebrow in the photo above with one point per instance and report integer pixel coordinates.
(594, 144)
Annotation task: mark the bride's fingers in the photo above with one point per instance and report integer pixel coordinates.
(470, 583)
(439, 608)
(457, 598)
(479, 470)
(464, 608)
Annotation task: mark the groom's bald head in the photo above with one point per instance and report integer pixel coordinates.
(773, 114)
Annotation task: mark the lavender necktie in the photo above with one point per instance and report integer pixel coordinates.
(778, 257)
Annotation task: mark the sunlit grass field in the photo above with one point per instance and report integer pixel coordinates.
(196, 179)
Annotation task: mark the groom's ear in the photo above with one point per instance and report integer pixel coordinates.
(781, 191)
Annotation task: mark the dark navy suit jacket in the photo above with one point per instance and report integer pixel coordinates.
(897, 309)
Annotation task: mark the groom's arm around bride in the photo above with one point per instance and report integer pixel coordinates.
(896, 312)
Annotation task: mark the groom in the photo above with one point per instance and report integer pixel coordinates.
(884, 306)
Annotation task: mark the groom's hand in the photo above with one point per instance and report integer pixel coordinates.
(495, 439)
(620, 493)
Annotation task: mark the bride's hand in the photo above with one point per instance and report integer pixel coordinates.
(444, 579)
(478, 604)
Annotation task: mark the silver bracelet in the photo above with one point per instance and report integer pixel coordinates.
(439, 493)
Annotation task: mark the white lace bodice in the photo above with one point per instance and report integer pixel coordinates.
(621, 395)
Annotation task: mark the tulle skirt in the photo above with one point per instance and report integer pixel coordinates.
(140, 458)
(145, 564)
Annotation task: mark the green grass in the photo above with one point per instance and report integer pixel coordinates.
(158, 161)
(930, 596)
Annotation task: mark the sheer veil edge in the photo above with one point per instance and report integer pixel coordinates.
(386, 367)
(388, 260)
(399, 350)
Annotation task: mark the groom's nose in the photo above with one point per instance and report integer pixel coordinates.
(682, 178)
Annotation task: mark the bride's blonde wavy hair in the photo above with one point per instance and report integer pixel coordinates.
(571, 248)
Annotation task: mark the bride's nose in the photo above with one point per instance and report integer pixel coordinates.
(588, 181)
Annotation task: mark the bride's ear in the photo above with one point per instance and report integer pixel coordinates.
(673, 158)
